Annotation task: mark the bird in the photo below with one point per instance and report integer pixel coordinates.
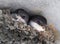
(21, 15)
(37, 21)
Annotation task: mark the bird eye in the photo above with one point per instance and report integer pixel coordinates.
(23, 17)
(38, 21)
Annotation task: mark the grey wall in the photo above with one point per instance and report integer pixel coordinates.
(48, 8)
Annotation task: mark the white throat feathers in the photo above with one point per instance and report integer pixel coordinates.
(19, 18)
(36, 26)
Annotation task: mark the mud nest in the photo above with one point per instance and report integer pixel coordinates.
(13, 32)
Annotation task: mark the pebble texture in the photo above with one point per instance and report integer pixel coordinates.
(13, 32)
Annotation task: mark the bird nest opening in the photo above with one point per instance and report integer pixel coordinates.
(16, 32)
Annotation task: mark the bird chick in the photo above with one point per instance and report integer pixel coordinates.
(22, 15)
(37, 22)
